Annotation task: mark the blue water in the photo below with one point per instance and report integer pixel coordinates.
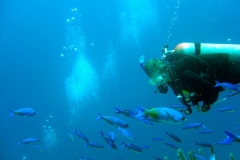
(70, 60)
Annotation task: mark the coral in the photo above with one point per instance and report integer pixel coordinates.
(191, 156)
(200, 151)
(231, 156)
(180, 155)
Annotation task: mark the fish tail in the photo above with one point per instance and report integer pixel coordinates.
(100, 116)
(12, 112)
(75, 130)
(101, 132)
(117, 110)
(123, 144)
(195, 143)
(230, 135)
(19, 142)
(203, 126)
(86, 144)
(217, 84)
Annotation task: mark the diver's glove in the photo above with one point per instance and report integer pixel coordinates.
(203, 108)
(188, 111)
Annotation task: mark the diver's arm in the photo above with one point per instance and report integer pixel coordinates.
(210, 92)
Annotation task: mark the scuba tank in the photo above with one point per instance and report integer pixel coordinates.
(233, 50)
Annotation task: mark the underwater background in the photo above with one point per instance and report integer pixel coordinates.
(70, 60)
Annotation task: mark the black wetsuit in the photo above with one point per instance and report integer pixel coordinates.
(197, 74)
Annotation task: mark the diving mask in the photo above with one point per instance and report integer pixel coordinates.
(159, 80)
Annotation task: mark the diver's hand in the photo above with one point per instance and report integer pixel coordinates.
(141, 59)
(202, 109)
(205, 108)
(197, 107)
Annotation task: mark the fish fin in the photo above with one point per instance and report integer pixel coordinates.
(12, 112)
(169, 116)
(203, 126)
(230, 135)
(117, 110)
(141, 109)
(99, 116)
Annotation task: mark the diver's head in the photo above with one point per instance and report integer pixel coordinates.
(158, 72)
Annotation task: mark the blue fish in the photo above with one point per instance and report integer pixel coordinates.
(203, 144)
(206, 131)
(25, 112)
(145, 147)
(126, 133)
(109, 140)
(232, 137)
(80, 135)
(223, 142)
(227, 109)
(171, 145)
(113, 121)
(38, 147)
(180, 107)
(232, 94)
(227, 86)
(162, 114)
(29, 141)
(213, 156)
(193, 126)
(94, 145)
(158, 139)
(82, 158)
(112, 136)
(143, 119)
(199, 156)
(128, 112)
(174, 137)
(75, 150)
(70, 135)
(237, 128)
(131, 147)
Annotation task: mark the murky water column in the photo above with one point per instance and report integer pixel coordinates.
(82, 84)
(110, 67)
(136, 16)
(50, 137)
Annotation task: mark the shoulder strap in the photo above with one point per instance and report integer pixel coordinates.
(177, 87)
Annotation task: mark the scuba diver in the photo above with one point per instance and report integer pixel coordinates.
(192, 70)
